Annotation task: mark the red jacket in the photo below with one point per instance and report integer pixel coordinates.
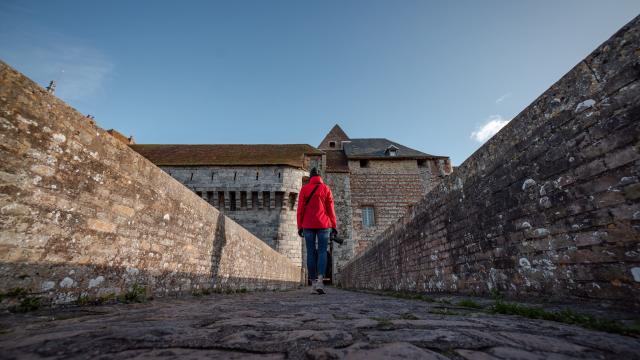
(319, 213)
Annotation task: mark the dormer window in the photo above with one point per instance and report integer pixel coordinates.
(391, 151)
(332, 144)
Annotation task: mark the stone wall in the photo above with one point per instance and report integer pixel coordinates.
(547, 207)
(81, 213)
(234, 191)
(340, 188)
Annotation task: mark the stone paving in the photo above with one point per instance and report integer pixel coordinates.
(297, 325)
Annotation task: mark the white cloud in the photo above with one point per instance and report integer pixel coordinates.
(503, 98)
(491, 127)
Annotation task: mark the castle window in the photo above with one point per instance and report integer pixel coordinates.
(266, 199)
(422, 163)
(232, 200)
(368, 217)
(257, 175)
(254, 200)
(210, 196)
(364, 163)
(243, 199)
(332, 144)
(292, 201)
(220, 200)
(191, 178)
(279, 199)
(391, 151)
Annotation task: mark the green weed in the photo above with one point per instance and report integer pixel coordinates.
(136, 294)
(83, 300)
(469, 303)
(566, 316)
(444, 311)
(27, 304)
(408, 316)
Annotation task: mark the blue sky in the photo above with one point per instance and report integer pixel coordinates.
(426, 74)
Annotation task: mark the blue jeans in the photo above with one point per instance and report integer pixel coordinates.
(316, 261)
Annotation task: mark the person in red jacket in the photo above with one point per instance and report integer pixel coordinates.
(316, 220)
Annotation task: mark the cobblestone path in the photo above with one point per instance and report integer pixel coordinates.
(298, 325)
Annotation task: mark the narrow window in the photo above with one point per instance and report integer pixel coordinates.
(266, 199)
(332, 144)
(368, 217)
(422, 163)
(279, 174)
(279, 199)
(257, 173)
(243, 199)
(212, 173)
(234, 175)
(232, 200)
(364, 163)
(254, 199)
(210, 196)
(191, 178)
(292, 201)
(220, 200)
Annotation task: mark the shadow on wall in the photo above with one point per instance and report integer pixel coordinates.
(217, 249)
(82, 213)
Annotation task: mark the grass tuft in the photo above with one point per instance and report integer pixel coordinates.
(84, 300)
(136, 294)
(27, 304)
(443, 311)
(566, 316)
(469, 303)
(409, 316)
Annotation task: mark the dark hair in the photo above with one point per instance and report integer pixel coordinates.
(314, 172)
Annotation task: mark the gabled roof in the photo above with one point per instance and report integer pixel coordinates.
(226, 155)
(336, 134)
(377, 148)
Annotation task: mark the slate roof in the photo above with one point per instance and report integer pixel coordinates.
(376, 148)
(226, 155)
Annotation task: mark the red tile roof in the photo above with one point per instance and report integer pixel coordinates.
(226, 155)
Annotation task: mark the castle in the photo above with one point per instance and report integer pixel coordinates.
(374, 181)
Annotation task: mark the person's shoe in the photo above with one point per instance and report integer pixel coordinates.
(314, 287)
(319, 286)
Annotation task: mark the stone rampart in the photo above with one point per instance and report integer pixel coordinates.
(83, 214)
(547, 207)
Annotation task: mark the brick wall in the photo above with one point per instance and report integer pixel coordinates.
(547, 207)
(81, 213)
(390, 186)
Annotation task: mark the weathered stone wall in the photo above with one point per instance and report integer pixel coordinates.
(340, 188)
(81, 213)
(234, 191)
(547, 207)
(390, 187)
